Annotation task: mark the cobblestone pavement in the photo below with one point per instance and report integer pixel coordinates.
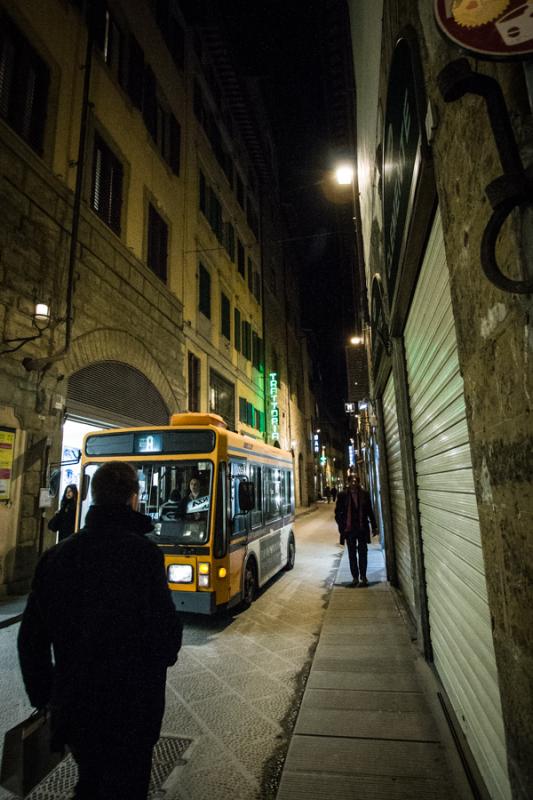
(236, 688)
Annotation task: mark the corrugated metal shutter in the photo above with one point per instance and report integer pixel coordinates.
(110, 391)
(456, 587)
(397, 495)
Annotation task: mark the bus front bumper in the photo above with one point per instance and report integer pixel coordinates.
(195, 602)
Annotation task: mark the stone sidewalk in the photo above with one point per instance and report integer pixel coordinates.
(370, 725)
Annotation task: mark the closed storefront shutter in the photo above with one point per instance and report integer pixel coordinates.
(115, 393)
(397, 496)
(459, 615)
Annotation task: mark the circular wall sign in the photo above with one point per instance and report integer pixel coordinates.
(488, 28)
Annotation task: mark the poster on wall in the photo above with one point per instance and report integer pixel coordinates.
(499, 29)
(7, 450)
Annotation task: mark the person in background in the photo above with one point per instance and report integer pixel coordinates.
(353, 513)
(327, 493)
(100, 603)
(333, 493)
(64, 520)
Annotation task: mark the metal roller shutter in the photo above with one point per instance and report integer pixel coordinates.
(397, 496)
(117, 393)
(455, 574)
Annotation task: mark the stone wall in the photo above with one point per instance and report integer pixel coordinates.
(121, 312)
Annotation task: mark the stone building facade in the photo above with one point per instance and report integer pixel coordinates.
(130, 184)
(451, 348)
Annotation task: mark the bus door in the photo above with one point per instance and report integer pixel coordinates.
(238, 526)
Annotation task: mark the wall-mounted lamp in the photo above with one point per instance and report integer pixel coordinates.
(40, 319)
(344, 174)
(356, 340)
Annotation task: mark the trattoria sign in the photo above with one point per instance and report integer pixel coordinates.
(488, 28)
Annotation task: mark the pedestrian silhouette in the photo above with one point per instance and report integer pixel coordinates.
(64, 519)
(353, 513)
(100, 601)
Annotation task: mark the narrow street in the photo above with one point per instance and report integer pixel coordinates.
(233, 696)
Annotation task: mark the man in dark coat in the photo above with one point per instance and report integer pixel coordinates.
(353, 513)
(100, 600)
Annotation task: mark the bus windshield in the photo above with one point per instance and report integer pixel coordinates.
(177, 497)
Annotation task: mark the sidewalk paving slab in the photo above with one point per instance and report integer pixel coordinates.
(366, 728)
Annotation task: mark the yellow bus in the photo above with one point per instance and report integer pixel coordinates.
(222, 505)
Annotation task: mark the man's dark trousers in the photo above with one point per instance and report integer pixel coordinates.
(356, 542)
(113, 772)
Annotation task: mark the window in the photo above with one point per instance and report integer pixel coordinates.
(247, 340)
(161, 123)
(257, 513)
(257, 352)
(194, 383)
(250, 275)
(222, 398)
(240, 258)
(229, 240)
(135, 80)
(252, 219)
(225, 318)
(240, 191)
(257, 286)
(272, 494)
(215, 215)
(24, 82)
(243, 410)
(110, 41)
(157, 243)
(172, 32)
(237, 329)
(204, 303)
(203, 194)
(106, 194)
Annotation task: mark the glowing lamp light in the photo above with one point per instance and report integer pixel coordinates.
(41, 316)
(356, 340)
(344, 174)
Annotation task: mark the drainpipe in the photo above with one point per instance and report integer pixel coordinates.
(43, 363)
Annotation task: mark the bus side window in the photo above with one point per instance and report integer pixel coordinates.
(286, 492)
(272, 494)
(237, 517)
(257, 513)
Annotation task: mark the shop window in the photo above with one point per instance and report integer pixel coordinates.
(157, 243)
(106, 195)
(24, 83)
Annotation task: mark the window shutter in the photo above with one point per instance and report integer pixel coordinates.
(135, 72)
(7, 65)
(97, 18)
(175, 145)
(150, 102)
(237, 329)
(116, 196)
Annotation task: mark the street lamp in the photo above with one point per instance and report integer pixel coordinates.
(346, 175)
(356, 340)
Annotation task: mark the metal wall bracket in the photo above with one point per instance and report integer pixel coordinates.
(513, 189)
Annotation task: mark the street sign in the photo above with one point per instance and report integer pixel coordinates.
(491, 29)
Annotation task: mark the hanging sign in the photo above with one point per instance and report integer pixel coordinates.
(499, 29)
(274, 408)
(7, 450)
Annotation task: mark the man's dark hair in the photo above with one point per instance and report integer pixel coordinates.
(114, 483)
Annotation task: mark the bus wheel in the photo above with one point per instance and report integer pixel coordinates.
(250, 584)
(291, 553)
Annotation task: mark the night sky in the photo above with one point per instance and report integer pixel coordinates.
(279, 43)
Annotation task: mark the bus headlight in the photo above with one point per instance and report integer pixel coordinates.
(179, 573)
(203, 575)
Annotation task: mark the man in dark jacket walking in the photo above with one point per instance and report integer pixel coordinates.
(353, 512)
(100, 600)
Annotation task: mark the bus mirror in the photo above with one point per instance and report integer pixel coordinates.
(246, 495)
(85, 487)
(54, 482)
